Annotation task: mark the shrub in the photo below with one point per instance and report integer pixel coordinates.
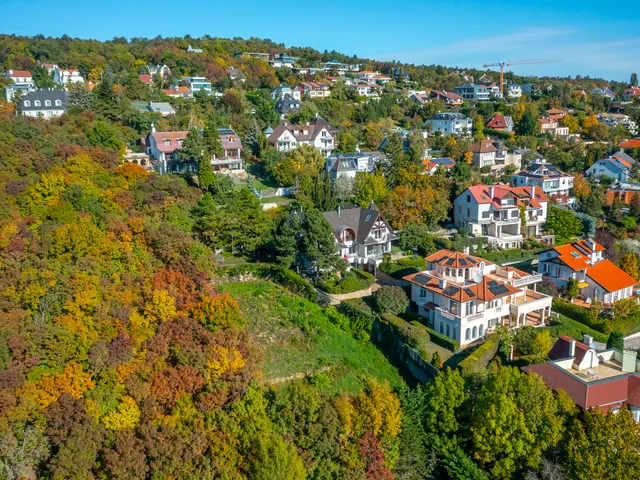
(564, 325)
(353, 281)
(404, 266)
(616, 340)
(578, 314)
(439, 339)
(360, 317)
(415, 336)
(281, 275)
(391, 299)
(481, 356)
(511, 255)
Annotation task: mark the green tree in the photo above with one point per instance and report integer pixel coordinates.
(528, 126)
(629, 262)
(634, 80)
(563, 223)
(211, 141)
(42, 78)
(417, 146)
(616, 340)
(573, 290)
(396, 158)
(206, 177)
(193, 147)
(390, 299)
(417, 236)
(369, 187)
(252, 139)
(106, 135)
(346, 142)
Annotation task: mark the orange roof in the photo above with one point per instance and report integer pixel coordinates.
(481, 194)
(634, 143)
(556, 111)
(610, 277)
(575, 255)
(483, 146)
(463, 293)
(184, 89)
(444, 257)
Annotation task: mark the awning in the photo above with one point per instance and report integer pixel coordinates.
(583, 285)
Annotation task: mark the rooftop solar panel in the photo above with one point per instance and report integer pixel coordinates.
(225, 131)
(451, 261)
(450, 291)
(492, 283)
(469, 292)
(499, 289)
(421, 279)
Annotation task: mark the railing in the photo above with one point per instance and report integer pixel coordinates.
(475, 316)
(446, 314)
(527, 280)
(507, 220)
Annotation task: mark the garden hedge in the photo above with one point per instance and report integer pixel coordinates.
(481, 356)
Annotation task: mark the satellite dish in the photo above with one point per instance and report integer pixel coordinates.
(477, 278)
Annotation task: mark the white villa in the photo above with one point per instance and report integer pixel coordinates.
(465, 297)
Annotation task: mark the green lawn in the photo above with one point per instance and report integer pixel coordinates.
(297, 337)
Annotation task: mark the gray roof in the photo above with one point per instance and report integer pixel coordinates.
(161, 107)
(449, 116)
(359, 219)
(43, 95)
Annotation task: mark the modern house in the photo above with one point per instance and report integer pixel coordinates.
(371, 77)
(500, 122)
(513, 90)
(450, 123)
(465, 297)
(66, 76)
(45, 103)
(431, 165)
(449, 98)
(197, 84)
(231, 161)
(362, 235)
(341, 167)
(359, 162)
(605, 92)
(367, 90)
(550, 179)
(287, 105)
(610, 168)
(631, 93)
(605, 379)
(163, 108)
(471, 91)
(287, 137)
(282, 60)
(22, 82)
(551, 125)
(494, 212)
(613, 120)
(494, 154)
(282, 90)
(623, 191)
(599, 279)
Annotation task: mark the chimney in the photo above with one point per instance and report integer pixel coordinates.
(338, 210)
(491, 193)
(466, 250)
(588, 341)
(572, 348)
(442, 283)
(153, 128)
(533, 192)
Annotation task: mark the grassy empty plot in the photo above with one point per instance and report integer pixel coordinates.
(298, 338)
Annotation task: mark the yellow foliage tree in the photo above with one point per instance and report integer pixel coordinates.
(223, 360)
(72, 380)
(468, 157)
(218, 312)
(124, 417)
(161, 307)
(379, 409)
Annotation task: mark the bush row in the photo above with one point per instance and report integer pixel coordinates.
(579, 314)
(511, 255)
(404, 266)
(360, 316)
(481, 356)
(283, 276)
(573, 328)
(439, 339)
(413, 335)
(354, 281)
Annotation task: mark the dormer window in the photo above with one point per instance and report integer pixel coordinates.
(27, 103)
(47, 103)
(167, 142)
(37, 103)
(58, 103)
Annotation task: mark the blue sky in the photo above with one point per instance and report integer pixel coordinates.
(592, 38)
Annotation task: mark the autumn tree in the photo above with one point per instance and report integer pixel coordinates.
(629, 263)
(369, 187)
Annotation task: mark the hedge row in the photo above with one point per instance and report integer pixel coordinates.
(360, 315)
(404, 266)
(354, 281)
(413, 335)
(573, 326)
(439, 339)
(481, 356)
(511, 255)
(579, 314)
(281, 275)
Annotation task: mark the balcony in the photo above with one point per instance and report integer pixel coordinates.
(521, 282)
(506, 220)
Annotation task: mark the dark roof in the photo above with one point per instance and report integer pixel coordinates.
(359, 219)
(43, 95)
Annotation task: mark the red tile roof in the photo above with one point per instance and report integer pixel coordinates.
(461, 293)
(442, 257)
(146, 79)
(19, 73)
(173, 138)
(483, 146)
(610, 277)
(498, 121)
(634, 143)
(482, 195)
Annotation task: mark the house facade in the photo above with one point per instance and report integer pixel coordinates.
(465, 297)
(598, 279)
(449, 98)
(450, 123)
(610, 168)
(314, 89)
(625, 192)
(605, 92)
(606, 379)
(66, 76)
(494, 154)
(282, 90)
(231, 161)
(287, 105)
(22, 82)
(500, 122)
(287, 137)
(45, 103)
(613, 120)
(360, 162)
(551, 125)
(549, 178)
(431, 165)
(494, 212)
(362, 235)
(197, 84)
(471, 91)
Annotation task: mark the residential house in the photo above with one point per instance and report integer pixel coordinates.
(162, 71)
(282, 60)
(314, 89)
(190, 49)
(631, 93)
(366, 89)
(449, 98)
(493, 87)
(614, 119)
(282, 90)
(362, 235)
(450, 123)
(254, 55)
(371, 77)
(500, 122)
(421, 98)
(631, 143)
(599, 279)
(363, 162)
(287, 105)
(163, 108)
(44, 103)
(51, 67)
(606, 379)
(528, 89)
(64, 76)
(341, 68)
(172, 93)
(197, 84)
(231, 161)
(236, 74)
(623, 192)
(162, 147)
(556, 114)
(484, 153)
(431, 165)
(494, 212)
(610, 168)
(146, 79)
(22, 82)
(141, 159)
(184, 92)
(550, 125)
(513, 90)
(605, 92)
(471, 91)
(465, 297)
(555, 183)
(287, 137)
(341, 167)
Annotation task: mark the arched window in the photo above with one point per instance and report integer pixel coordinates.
(47, 103)
(446, 271)
(447, 329)
(467, 334)
(27, 103)
(481, 330)
(459, 272)
(36, 103)
(475, 332)
(454, 335)
(58, 103)
(349, 235)
(481, 267)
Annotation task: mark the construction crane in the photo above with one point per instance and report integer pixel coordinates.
(515, 62)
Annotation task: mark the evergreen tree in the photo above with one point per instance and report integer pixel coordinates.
(252, 139)
(616, 340)
(634, 207)
(42, 77)
(322, 195)
(634, 80)
(211, 141)
(206, 177)
(193, 147)
(396, 158)
(529, 125)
